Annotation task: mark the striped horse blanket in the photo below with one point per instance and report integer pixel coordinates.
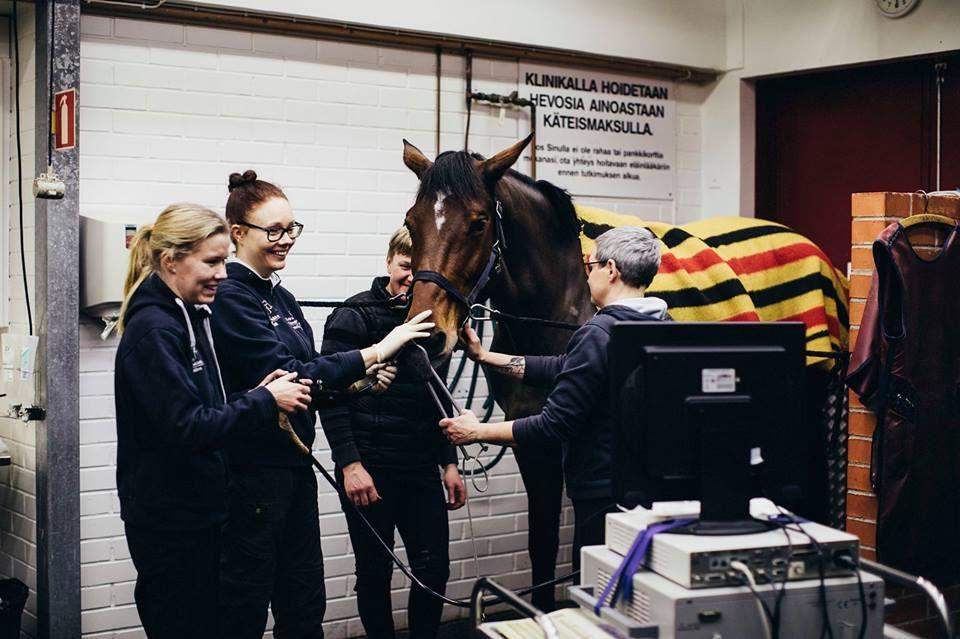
(741, 269)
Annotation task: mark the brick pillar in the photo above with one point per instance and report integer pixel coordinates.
(871, 213)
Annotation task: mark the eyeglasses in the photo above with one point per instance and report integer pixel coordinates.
(275, 233)
(587, 264)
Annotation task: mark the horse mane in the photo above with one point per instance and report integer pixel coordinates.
(561, 202)
(454, 174)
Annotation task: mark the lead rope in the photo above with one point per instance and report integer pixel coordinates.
(456, 410)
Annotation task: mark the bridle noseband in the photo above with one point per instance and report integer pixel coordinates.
(494, 265)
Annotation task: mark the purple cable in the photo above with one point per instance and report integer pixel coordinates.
(622, 578)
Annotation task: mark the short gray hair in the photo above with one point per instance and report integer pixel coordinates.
(636, 252)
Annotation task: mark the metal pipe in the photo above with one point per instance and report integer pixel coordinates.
(439, 66)
(468, 70)
(912, 581)
(508, 596)
(533, 142)
(140, 5)
(939, 68)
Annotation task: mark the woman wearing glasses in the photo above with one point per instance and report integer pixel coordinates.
(271, 541)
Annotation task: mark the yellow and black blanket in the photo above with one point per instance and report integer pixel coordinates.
(741, 269)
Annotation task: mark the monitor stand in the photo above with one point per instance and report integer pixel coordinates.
(726, 481)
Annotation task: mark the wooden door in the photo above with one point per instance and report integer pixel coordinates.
(823, 136)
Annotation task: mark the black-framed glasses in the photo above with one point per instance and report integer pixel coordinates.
(588, 263)
(275, 233)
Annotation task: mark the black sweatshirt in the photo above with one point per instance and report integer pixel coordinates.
(397, 429)
(577, 411)
(172, 420)
(259, 328)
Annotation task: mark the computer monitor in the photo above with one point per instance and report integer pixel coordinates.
(708, 411)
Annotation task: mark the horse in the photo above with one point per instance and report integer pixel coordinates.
(481, 229)
(475, 219)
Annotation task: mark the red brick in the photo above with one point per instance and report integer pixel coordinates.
(883, 203)
(861, 423)
(862, 506)
(858, 478)
(927, 236)
(861, 258)
(854, 333)
(862, 204)
(942, 205)
(866, 531)
(855, 402)
(856, 311)
(868, 553)
(859, 450)
(859, 286)
(865, 231)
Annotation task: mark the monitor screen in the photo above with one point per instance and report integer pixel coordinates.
(708, 411)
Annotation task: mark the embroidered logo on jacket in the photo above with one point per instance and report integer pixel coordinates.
(197, 361)
(274, 317)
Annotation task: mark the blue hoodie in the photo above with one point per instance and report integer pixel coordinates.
(172, 417)
(259, 327)
(577, 411)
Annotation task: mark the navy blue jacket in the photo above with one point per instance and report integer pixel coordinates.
(172, 421)
(577, 411)
(259, 327)
(397, 429)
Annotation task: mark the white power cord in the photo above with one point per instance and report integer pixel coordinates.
(742, 568)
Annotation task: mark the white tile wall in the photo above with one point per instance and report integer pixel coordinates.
(169, 111)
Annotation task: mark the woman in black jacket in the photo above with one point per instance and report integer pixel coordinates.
(173, 417)
(271, 550)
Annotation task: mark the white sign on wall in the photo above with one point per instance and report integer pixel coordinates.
(603, 134)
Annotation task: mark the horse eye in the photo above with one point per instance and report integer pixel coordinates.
(477, 225)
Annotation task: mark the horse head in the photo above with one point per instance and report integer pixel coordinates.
(455, 227)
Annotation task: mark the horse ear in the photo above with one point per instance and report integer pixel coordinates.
(415, 160)
(495, 167)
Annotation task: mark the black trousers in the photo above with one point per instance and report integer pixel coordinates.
(271, 555)
(589, 519)
(541, 468)
(176, 591)
(415, 505)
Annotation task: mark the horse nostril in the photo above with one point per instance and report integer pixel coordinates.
(434, 344)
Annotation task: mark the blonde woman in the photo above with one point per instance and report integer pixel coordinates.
(173, 417)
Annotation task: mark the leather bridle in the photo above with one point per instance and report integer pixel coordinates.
(494, 265)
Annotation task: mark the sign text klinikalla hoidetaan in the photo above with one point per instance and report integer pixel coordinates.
(603, 134)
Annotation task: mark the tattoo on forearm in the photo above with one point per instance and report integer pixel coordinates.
(515, 367)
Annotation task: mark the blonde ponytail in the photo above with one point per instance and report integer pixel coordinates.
(177, 231)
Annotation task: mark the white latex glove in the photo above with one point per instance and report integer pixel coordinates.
(378, 379)
(399, 336)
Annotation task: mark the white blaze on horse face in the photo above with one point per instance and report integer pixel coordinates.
(439, 210)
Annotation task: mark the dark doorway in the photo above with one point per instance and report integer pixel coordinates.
(823, 136)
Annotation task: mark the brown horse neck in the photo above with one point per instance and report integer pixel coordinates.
(542, 266)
